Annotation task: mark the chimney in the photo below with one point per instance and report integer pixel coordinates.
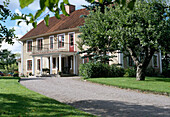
(70, 8)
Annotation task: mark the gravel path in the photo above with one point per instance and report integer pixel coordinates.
(105, 101)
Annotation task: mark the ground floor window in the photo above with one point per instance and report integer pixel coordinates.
(29, 64)
(86, 60)
(130, 61)
(155, 60)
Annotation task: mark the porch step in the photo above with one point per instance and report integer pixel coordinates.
(67, 75)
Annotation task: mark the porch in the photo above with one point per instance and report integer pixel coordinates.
(64, 62)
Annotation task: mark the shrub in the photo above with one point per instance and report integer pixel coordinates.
(151, 72)
(130, 72)
(15, 74)
(93, 70)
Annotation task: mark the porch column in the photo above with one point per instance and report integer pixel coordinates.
(41, 65)
(56, 65)
(60, 63)
(51, 65)
(22, 59)
(33, 65)
(74, 66)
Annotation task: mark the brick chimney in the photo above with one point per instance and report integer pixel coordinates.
(70, 8)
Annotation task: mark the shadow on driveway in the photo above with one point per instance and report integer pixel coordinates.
(106, 108)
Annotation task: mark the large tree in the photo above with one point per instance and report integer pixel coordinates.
(141, 32)
(5, 34)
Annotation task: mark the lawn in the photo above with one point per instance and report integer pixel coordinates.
(18, 101)
(151, 84)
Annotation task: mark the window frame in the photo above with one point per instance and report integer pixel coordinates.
(41, 45)
(27, 45)
(129, 57)
(157, 61)
(50, 42)
(62, 46)
(73, 40)
(28, 65)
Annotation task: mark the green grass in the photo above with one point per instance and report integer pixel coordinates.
(18, 101)
(151, 84)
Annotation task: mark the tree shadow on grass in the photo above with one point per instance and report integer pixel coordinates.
(109, 108)
(159, 79)
(17, 105)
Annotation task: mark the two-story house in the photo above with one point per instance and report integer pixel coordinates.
(55, 47)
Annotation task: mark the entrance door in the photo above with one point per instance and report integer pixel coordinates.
(71, 45)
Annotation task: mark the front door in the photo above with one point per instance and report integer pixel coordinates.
(71, 41)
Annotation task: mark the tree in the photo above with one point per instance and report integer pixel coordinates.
(7, 59)
(140, 32)
(95, 34)
(5, 33)
(55, 6)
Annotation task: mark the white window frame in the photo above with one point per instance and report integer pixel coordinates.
(37, 42)
(27, 65)
(156, 61)
(27, 46)
(69, 40)
(58, 41)
(50, 42)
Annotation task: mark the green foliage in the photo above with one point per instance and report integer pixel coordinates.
(140, 32)
(151, 72)
(7, 60)
(93, 70)
(130, 72)
(5, 34)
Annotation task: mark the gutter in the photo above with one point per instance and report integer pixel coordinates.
(51, 33)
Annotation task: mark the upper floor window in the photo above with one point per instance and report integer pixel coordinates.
(29, 64)
(40, 44)
(71, 39)
(61, 41)
(155, 60)
(51, 42)
(29, 46)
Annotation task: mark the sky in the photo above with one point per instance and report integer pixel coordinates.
(22, 29)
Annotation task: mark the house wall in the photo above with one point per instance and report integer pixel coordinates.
(46, 40)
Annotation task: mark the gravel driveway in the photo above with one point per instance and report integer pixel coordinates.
(105, 101)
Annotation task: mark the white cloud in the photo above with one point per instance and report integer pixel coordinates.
(15, 48)
(18, 11)
(34, 6)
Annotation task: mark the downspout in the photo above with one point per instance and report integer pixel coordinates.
(160, 59)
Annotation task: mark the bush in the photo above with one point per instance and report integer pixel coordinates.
(151, 72)
(130, 72)
(15, 74)
(93, 70)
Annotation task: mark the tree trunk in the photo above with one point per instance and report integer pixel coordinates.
(140, 73)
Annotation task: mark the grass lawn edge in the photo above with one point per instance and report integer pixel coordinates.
(129, 88)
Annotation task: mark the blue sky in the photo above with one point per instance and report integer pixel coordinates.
(23, 28)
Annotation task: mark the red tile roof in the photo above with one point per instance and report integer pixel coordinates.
(66, 22)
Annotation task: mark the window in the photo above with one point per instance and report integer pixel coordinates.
(38, 64)
(86, 60)
(155, 60)
(51, 42)
(40, 44)
(71, 39)
(61, 41)
(29, 46)
(29, 64)
(54, 63)
(130, 61)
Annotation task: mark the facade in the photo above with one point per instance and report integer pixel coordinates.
(55, 47)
